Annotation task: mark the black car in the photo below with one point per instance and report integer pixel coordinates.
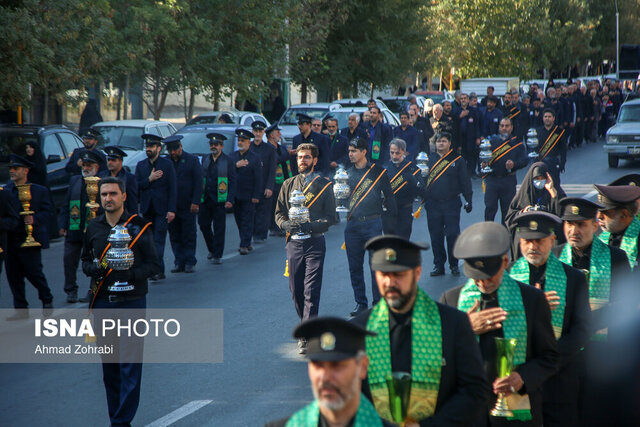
(56, 142)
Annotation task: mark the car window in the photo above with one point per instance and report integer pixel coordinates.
(164, 131)
(14, 143)
(289, 116)
(247, 120)
(629, 113)
(70, 142)
(51, 145)
(200, 120)
(129, 137)
(197, 142)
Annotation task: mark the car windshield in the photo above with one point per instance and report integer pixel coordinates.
(289, 117)
(196, 142)
(13, 142)
(125, 137)
(397, 105)
(343, 117)
(207, 119)
(437, 99)
(629, 113)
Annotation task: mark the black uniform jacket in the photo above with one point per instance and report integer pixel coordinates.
(542, 354)
(160, 194)
(451, 182)
(189, 181)
(371, 204)
(464, 390)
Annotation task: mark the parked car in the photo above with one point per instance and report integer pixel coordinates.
(342, 114)
(244, 118)
(358, 102)
(288, 123)
(56, 142)
(399, 104)
(436, 96)
(622, 140)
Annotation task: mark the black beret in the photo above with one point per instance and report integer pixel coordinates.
(331, 338)
(90, 156)
(359, 143)
(630, 179)
(304, 118)
(213, 136)
(114, 152)
(391, 253)
(91, 133)
(173, 142)
(272, 128)
(616, 196)
(15, 160)
(578, 209)
(244, 133)
(536, 224)
(258, 125)
(151, 139)
(482, 246)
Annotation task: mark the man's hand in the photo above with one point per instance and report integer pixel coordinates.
(155, 175)
(242, 163)
(552, 297)
(228, 205)
(79, 163)
(28, 219)
(478, 141)
(508, 385)
(267, 193)
(255, 201)
(170, 216)
(464, 113)
(485, 320)
(194, 208)
(468, 207)
(62, 232)
(549, 186)
(292, 152)
(509, 164)
(333, 165)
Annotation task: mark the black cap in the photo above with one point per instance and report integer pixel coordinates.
(536, 224)
(151, 139)
(258, 125)
(114, 152)
(91, 133)
(630, 179)
(90, 156)
(216, 137)
(482, 247)
(578, 209)
(331, 338)
(359, 143)
(391, 253)
(304, 118)
(272, 128)
(173, 142)
(617, 196)
(244, 133)
(15, 160)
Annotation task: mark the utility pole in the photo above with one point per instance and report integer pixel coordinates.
(617, 42)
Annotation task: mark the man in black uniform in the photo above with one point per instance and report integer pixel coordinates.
(267, 154)
(353, 129)
(508, 154)
(469, 133)
(621, 227)
(552, 148)
(379, 136)
(369, 183)
(182, 230)
(500, 307)
(305, 257)
(406, 183)
(74, 216)
(337, 366)
(283, 172)
(413, 331)
(158, 188)
(9, 220)
(26, 262)
(115, 158)
(307, 135)
(121, 380)
(567, 293)
(90, 141)
(338, 143)
(219, 194)
(249, 188)
(447, 179)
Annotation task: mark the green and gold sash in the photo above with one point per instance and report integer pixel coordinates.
(551, 142)
(629, 242)
(426, 357)
(599, 275)
(309, 416)
(555, 280)
(439, 168)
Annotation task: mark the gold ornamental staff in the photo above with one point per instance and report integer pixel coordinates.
(24, 195)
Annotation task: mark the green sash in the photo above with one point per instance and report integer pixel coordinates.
(279, 174)
(629, 242)
(309, 416)
(74, 215)
(426, 360)
(555, 280)
(599, 276)
(375, 150)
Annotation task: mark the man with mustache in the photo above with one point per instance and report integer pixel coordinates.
(432, 342)
(337, 366)
(567, 293)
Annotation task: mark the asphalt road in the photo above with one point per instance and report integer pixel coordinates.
(262, 376)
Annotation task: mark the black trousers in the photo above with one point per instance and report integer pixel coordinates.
(262, 217)
(470, 154)
(244, 212)
(498, 189)
(71, 259)
(443, 220)
(402, 224)
(159, 226)
(272, 208)
(182, 235)
(215, 213)
(26, 263)
(306, 262)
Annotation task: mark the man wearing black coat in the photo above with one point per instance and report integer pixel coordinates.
(9, 220)
(306, 135)
(115, 157)
(90, 141)
(380, 134)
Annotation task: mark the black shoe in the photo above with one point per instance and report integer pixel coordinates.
(20, 314)
(359, 308)
(159, 276)
(244, 251)
(437, 272)
(455, 272)
(216, 261)
(72, 297)
(249, 248)
(86, 298)
(302, 346)
(210, 256)
(47, 309)
(177, 269)
(259, 241)
(189, 269)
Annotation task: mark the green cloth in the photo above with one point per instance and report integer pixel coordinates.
(376, 147)
(555, 280)
(426, 357)
(599, 275)
(309, 416)
(74, 215)
(629, 242)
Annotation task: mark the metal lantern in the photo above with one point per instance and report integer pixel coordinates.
(341, 189)
(485, 155)
(298, 213)
(422, 161)
(532, 143)
(119, 257)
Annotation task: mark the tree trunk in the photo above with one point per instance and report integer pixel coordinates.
(192, 101)
(303, 93)
(184, 104)
(355, 88)
(45, 107)
(371, 97)
(216, 98)
(118, 103)
(127, 85)
(163, 99)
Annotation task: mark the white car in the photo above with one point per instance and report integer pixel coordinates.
(623, 139)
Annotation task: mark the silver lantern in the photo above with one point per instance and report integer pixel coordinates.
(532, 143)
(298, 213)
(485, 155)
(341, 189)
(422, 161)
(119, 257)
